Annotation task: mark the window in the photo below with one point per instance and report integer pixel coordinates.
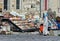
(17, 4)
(58, 6)
(0, 9)
(23, 0)
(33, 6)
(5, 4)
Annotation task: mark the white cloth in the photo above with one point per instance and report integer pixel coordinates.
(45, 29)
(5, 28)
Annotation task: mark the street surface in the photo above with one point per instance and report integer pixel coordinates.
(28, 37)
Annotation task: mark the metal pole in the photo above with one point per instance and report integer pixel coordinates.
(40, 8)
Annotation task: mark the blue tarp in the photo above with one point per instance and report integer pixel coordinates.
(58, 25)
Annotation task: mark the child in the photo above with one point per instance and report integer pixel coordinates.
(41, 28)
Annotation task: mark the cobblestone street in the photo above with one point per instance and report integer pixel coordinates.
(28, 37)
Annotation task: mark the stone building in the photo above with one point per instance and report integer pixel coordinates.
(30, 6)
(20, 6)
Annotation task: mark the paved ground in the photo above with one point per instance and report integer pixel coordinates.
(28, 37)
